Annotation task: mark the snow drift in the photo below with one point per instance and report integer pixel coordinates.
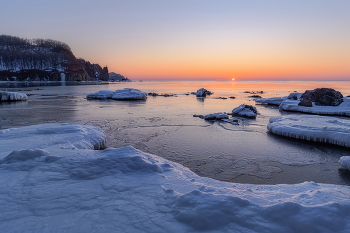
(53, 188)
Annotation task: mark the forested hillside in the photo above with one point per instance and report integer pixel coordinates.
(44, 60)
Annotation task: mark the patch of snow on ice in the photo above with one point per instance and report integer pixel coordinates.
(126, 190)
(314, 128)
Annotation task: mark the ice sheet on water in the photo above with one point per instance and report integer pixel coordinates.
(12, 96)
(126, 190)
(314, 128)
(343, 109)
(278, 100)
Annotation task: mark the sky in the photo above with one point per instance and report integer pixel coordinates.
(195, 39)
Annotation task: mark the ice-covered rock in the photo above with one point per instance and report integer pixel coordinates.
(321, 97)
(129, 94)
(293, 105)
(244, 110)
(12, 96)
(123, 94)
(278, 100)
(203, 92)
(103, 94)
(126, 190)
(313, 128)
(216, 116)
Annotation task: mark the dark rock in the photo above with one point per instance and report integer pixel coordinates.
(321, 97)
(203, 92)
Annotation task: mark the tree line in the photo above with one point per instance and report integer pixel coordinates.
(21, 53)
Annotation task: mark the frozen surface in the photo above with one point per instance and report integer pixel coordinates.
(314, 128)
(12, 96)
(53, 136)
(123, 94)
(278, 100)
(343, 109)
(59, 189)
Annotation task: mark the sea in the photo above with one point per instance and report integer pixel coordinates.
(165, 125)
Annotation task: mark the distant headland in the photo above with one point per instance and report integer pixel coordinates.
(24, 59)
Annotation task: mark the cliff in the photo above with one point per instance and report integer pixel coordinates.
(44, 60)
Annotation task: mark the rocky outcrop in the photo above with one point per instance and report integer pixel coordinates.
(321, 97)
(44, 60)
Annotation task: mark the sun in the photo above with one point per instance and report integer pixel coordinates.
(233, 79)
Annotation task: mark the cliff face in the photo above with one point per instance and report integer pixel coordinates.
(44, 60)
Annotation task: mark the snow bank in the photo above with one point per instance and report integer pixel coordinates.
(12, 96)
(314, 128)
(123, 94)
(126, 190)
(343, 109)
(278, 100)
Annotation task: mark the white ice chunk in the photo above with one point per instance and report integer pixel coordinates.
(314, 128)
(12, 96)
(343, 109)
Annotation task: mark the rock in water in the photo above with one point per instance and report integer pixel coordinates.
(203, 92)
(321, 97)
(244, 110)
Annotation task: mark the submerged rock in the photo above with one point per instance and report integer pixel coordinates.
(321, 97)
(244, 110)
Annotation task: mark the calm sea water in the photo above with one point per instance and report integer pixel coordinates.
(165, 126)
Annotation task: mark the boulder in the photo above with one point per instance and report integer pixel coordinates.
(321, 97)
(203, 92)
(244, 110)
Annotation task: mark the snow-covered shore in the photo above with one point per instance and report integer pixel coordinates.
(54, 185)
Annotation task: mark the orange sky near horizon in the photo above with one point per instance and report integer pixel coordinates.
(197, 39)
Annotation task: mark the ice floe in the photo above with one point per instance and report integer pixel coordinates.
(278, 100)
(123, 94)
(12, 96)
(52, 188)
(314, 128)
(244, 110)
